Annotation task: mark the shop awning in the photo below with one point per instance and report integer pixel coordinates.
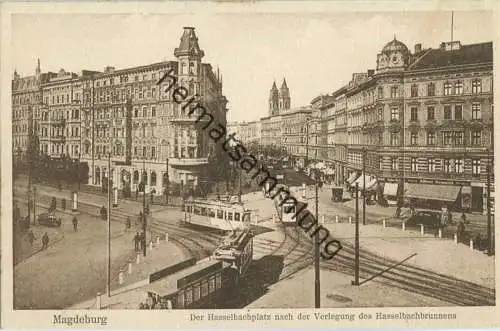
(372, 185)
(432, 192)
(391, 189)
(352, 177)
(367, 179)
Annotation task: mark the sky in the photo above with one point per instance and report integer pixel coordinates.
(317, 53)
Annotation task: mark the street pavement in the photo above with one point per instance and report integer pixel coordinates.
(72, 269)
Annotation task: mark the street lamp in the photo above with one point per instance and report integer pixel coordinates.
(167, 179)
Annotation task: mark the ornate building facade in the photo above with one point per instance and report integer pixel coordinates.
(127, 116)
(247, 132)
(423, 123)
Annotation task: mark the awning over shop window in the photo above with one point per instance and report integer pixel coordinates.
(432, 192)
(352, 177)
(372, 185)
(360, 181)
(391, 189)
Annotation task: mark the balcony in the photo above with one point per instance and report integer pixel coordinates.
(58, 122)
(188, 162)
(59, 139)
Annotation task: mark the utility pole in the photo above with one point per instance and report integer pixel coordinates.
(144, 203)
(488, 208)
(317, 284)
(239, 185)
(356, 241)
(364, 185)
(109, 224)
(34, 205)
(307, 144)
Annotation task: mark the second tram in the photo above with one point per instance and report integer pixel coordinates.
(221, 215)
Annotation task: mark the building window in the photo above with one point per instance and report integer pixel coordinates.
(447, 138)
(476, 111)
(476, 86)
(380, 92)
(476, 138)
(414, 91)
(447, 88)
(476, 167)
(413, 138)
(414, 164)
(413, 114)
(431, 138)
(459, 166)
(431, 89)
(458, 138)
(153, 111)
(430, 113)
(153, 152)
(136, 112)
(394, 163)
(458, 112)
(144, 151)
(394, 139)
(446, 165)
(394, 92)
(144, 111)
(459, 87)
(447, 112)
(431, 165)
(395, 113)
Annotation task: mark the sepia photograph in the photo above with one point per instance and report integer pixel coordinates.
(250, 160)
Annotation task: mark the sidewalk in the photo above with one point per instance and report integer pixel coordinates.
(130, 292)
(433, 254)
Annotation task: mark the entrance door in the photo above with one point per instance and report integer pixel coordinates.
(477, 199)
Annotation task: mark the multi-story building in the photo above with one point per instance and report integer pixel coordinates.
(132, 118)
(423, 123)
(26, 99)
(247, 132)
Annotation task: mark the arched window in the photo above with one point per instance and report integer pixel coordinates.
(136, 176)
(153, 178)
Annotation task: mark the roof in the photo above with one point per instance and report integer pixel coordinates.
(168, 285)
(189, 44)
(466, 54)
(432, 192)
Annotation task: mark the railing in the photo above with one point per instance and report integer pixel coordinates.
(189, 161)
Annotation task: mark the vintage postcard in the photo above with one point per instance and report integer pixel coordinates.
(262, 164)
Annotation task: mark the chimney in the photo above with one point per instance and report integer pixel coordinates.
(418, 48)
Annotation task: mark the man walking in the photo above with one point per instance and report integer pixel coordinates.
(31, 237)
(75, 223)
(128, 224)
(45, 241)
(137, 240)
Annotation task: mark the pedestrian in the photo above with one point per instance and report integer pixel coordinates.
(450, 216)
(460, 230)
(75, 223)
(464, 218)
(136, 194)
(45, 241)
(31, 237)
(128, 224)
(137, 239)
(143, 240)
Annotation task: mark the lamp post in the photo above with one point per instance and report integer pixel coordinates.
(364, 185)
(34, 204)
(167, 179)
(317, 283)
(143, 180)
(109, 225)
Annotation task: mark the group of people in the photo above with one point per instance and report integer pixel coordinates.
(31, 239)
(139, 241)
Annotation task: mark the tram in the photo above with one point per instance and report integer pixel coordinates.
(205, 285)
(237, 250)
(221, 215)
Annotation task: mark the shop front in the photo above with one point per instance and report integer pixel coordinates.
(433, 196)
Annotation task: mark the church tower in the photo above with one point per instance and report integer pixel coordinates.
(284, 96)
(273, 100)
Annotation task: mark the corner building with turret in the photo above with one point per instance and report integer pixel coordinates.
(125, 113)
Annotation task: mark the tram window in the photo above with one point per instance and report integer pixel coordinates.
(188, 296)
(196, 210)
(211, 212)
(237, 217)
(180, 299)
(220, 214)
(246, 217)
(218, 281)
(204, 289)
(229, 216)
(211, 287)
(203, 211)
(197, 292)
